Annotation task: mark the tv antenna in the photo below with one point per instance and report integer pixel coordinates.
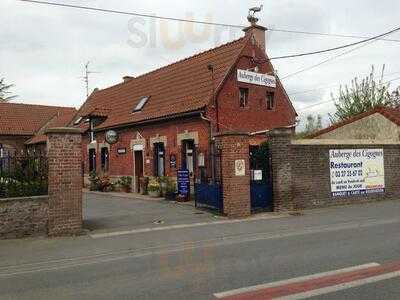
(86, 77)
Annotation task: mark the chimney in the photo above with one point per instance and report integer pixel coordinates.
(257, 31)
(127, 78)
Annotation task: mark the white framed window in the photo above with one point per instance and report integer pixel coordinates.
(243, 97)
(142, 102)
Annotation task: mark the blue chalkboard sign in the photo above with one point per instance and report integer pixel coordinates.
(183, 181)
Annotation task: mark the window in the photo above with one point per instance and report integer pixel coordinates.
(188, 153)
(243, 97)
(104, 159)
(159, 159)
(91, 132)
(92, 160)
(141, 104)
(270, 100)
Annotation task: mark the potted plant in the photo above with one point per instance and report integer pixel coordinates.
(170, 189)
(153, 188)
(105, 184)
(94, 181)
(125, 183)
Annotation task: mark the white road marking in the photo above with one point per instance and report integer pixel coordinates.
(328, 228)
(292, 280)
(341, 287)
(182, 226)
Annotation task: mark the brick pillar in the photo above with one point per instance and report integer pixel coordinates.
(279, 143)
(65, 181)
(236, 182)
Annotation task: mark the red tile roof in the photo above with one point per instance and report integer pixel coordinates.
(181, 87)
(27, 119)
(61, 119)
(392, 114)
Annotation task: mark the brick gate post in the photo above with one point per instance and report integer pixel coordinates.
(65, 182)
(234, 148)
(280, 143)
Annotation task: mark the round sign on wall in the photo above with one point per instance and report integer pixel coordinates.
(111, 137)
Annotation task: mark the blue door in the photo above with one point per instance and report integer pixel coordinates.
(260, 179)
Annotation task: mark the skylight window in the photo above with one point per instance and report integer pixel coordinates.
(77, 121)
(141, 104)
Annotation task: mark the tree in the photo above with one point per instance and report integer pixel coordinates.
(363, 96)
(314, 123)
(4, 91)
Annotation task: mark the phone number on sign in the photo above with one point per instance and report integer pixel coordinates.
(347, 173)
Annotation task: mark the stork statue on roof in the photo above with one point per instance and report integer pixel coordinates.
(252, 14)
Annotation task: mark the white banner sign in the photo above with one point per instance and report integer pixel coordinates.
(256, 78)
(357, 171)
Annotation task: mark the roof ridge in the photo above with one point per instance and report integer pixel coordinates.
(40, 105)
(381, 109)
(175, 63)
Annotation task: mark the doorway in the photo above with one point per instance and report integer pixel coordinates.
(138, 155)
(260, 179)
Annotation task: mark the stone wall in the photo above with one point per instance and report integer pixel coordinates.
(301, 172)
(21, 217)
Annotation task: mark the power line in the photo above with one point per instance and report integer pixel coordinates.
(337, 56)
(209, 23)
(202, 22)
(334, 99)
(377, 37)
(120, 12)
(327, 86)
(328, 34)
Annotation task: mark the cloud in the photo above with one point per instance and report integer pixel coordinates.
(45, 48)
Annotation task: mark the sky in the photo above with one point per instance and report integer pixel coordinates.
(44, 49)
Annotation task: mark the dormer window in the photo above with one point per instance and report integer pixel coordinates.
(77, 121)
(141, 104)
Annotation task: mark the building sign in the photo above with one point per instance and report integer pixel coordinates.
(256, 78)
(356, 171)
(257, 175)
(240, 167)
(121, 150)
(183, 182)
(111, 137)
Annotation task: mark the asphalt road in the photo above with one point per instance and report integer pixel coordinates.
(196, 262)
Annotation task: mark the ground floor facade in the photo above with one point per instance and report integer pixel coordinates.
(154, 150)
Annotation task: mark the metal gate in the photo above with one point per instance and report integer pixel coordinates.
(208, 188)
(260, 179)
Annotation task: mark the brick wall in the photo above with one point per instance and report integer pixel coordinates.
(255, 116)
(21, 217)
(301, 172)
(236, 189)
(123, 164)
(65, 181)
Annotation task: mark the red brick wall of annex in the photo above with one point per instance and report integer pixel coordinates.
(122, 164)
(254, 117)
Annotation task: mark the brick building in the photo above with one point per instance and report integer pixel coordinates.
(166, 120)
(22, 125)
